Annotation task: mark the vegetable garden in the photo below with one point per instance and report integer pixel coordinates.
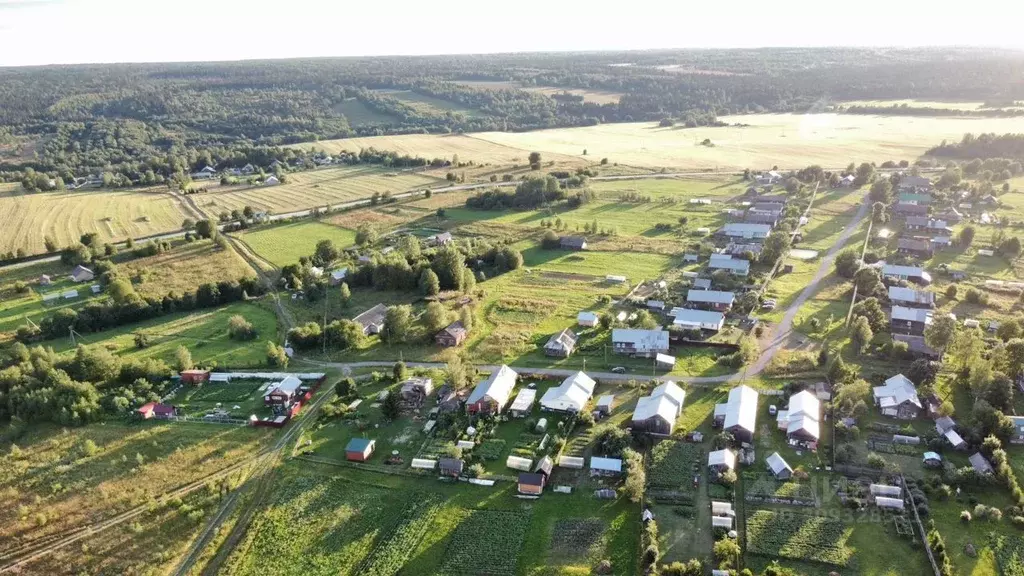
(1010, 555)
(798, 537)
(673, 465)
(487, 543)
(762, 487)
(573, 537)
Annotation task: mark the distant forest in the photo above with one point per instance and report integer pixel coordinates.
(143, 120)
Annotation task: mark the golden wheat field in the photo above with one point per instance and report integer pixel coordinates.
(65, 216)
(313, 188)
(469, 148)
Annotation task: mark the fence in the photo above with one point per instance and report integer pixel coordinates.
(920, 527)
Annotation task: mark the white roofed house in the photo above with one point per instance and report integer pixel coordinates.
(722, 460)
(82, 274)
(644, 343)
(746, 230)
(283, 392)
(736, 266)
(588, 319)
(561, 345)
(657, 413)
(491, 395)
(912, 321)
(910, 273)
(688, 318)
(739, 413)
(372, 320)
(898, 398)
(711, 299)
(571, 395)
(802, 418)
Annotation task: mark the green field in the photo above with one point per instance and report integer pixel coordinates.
(113, 214)
(359, 114)
(283, 244)
(428, 104)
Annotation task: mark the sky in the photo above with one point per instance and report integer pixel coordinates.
(36, 32)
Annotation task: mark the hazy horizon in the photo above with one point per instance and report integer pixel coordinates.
(42, 32)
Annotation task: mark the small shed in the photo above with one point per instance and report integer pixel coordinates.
(531, 483)
(722, 460)
(517, 463)
(605, 466)
(892, 503)
(779, 467)
(542, 425)
(572, 462)
(604, 404)
(588, 319)
(932, 459)
(523, 404)
(451, 467)
(980, 463)
(194, 376)
(954, 439)
(465, 444)
(359, 449)
(665, 362)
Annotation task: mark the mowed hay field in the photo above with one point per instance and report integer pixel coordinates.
(313, 188)
(65, 216)
(469, 148)
(757, 141)
(186, 267)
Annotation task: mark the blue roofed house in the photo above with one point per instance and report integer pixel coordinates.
(1018, 430)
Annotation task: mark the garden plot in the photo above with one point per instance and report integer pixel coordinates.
(238, 398)
(574, 537)
(673, 467)
(487, 543)
(798, 537)
(760, 487)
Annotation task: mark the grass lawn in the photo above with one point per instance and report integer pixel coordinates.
(16, 309)
(246, 395)
(359, 114)
(203, 332)
(283, 244)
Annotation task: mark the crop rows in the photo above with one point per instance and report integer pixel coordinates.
(487, 543)
(763, 486)
(798, 537)
(394, 549)
(673, 464)
(1010, 555)
(575, 536)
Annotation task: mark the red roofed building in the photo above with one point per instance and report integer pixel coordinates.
(194, 376)
(157, 410)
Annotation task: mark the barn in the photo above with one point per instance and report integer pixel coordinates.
(157, 410)
(194, 376)
(359, 449)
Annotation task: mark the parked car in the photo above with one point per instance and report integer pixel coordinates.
(619, 370)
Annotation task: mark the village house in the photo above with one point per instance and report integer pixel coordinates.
(801, 420)
(950, 215)
(657, 413)
(736, 266)
(572, 243)
(741, 248)
(1018, 430)
(915, 247)
(587, 319)
(702, 284)
(571, 395)
(157, 410)
(914, 198)
(453, 335)
(441, 239)
(338, 276)
(416, 389)
(773, 198)
(847, 181)
(910, 298)
(768, 178)
(910, 320)
(761, 217)
(604, 404)
(643, 343)
(449, 400)
(372, 320)
(205, 174)
(946, 427)
(561, 345)
(711, 299)
(778, 467)
(690, 319)
(450, 467)
(910, 210)
(283, 392)
(980, 464)
(897, 398)
(532, 483)
(916, 345)
(491, 395)
(910, 183)
(775, 207)
(272, 181)
(359, 449)
(739, 413)
(929, 224)
(910, 273)
(82, 274)
(746, 230)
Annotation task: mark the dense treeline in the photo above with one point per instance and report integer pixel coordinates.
(982, 146)
(38, 385)
(148, 122)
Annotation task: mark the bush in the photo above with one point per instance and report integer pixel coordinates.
(1018, 521)
(875, 461)
(965, 516)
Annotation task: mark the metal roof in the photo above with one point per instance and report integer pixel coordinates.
(698, 318)
(524, 399)
(899, 389)
(777, 464)
(912, 314)
(498, 386)
(899, 294)
(741, 408)
(605, 464)
(359, 445)
(572, 394)
(711, 296)
(650, 339)
(722, 458)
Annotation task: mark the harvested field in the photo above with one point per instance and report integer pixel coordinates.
(65, 216)
(359, 114)
(313, 188)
